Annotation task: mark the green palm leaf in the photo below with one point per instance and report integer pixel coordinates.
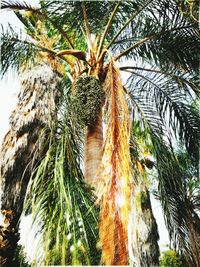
(180, 215)
(171, 101)
(63, 205)
(181, 219)
(16, 50)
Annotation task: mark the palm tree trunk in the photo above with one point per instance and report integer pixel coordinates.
(23, 146)
(144, 232)
(194, 235)
(93, 150)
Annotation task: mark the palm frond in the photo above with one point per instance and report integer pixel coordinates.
(40, 12)
(180, 216)
(28, 23)
(63, 206)
(115, 175)
(70, 15)
(181, 219)
(190, 178)
(186, 81)
(17, 5)
(19, 49)
(146, 114)
(171, 100)
(128, 22)
(16, 50)
(156, 36)
(177, 45)
(109, 24)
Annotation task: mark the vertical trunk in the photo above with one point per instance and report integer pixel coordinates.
(144, 232)
(191, 252)
(23, 145)
(93, 150)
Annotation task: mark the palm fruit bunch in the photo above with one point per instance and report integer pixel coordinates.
(86, 100)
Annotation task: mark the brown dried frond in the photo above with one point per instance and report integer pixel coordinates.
(115, 184)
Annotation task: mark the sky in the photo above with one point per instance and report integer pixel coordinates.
(9, 88)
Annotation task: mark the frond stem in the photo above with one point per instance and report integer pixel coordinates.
(86, 22)
(107, 28)
(124, 68)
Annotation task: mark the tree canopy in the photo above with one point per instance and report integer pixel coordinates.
(156, 43)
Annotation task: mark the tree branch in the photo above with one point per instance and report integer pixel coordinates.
(107, 28)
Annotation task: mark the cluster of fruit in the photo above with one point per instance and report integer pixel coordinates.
(86, 100)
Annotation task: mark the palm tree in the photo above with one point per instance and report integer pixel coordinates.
(162, 44)
(25, 143)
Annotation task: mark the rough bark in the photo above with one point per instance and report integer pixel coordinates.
(9, 237)
(93, 150)
(143, 230)
(194, 234)
(23, 145)
(191, 254)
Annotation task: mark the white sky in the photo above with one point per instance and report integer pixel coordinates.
(9, 89)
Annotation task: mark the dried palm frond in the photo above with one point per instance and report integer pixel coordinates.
(115, 186)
